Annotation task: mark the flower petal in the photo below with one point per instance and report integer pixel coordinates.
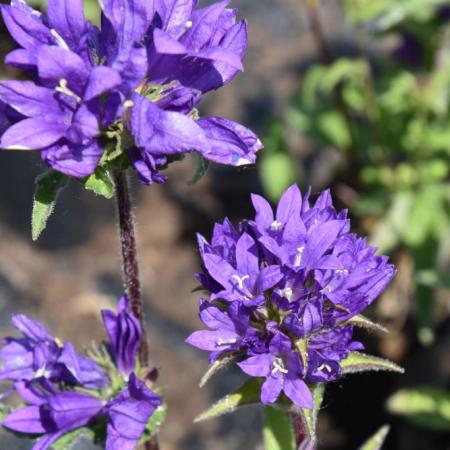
(297, 390)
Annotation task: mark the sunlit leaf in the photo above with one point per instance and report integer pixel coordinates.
(100, 182)
(223, 361)
(48, 187)
(377, 440)
(359, 362)
(248, 394)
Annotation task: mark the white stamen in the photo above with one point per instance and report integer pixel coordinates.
(220, 341)
(278, 366)
(42, 372)
(59, 40)
(286, 293)
(63, 89)
(276, 225)
(324, 366)
(127, 104)
(342, 272)
(240, 280)
(188, 24)
(298, 258)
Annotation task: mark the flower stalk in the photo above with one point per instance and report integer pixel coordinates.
(130, 264)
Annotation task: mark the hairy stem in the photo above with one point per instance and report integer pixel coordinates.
(130, 268)
(129, 257)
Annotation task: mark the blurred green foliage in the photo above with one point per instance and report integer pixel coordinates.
(386, 112)
(91, 9)
(426, 407)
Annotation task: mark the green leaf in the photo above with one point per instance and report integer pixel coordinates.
(157, 419)
(220, 363)
(202, 167)
(359, 362)
(248, 394)
(100, 182)
(377, 440)
(425, 406)
(363, 322)
(309, 416)
(48, 186)
(69, 440)
(278, 431)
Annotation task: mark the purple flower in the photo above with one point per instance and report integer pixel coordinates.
(128, 415)
(38, 355)
(124, 332)
(47, 376)
(283, 288)
(140, 76)
(283, 371)
(50, 414)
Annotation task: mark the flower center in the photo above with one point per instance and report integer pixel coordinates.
(286, 293)
(276, 225)
(278, 366)
(241, 280)
(63, 89)
(341, 272)
(188, 24)
(324, 368)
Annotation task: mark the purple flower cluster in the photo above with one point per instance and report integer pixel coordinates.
(284, 289)
(65, 391)
(132, 86)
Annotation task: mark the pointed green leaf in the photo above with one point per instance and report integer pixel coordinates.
(48, 186)
(377, 440)
(425, 406)
(248, 394)
(157, 419)
(278, 430)
(309, 416)
(202, 168)
(100, 182)
(69, 440)
(364, 322)
(360, 362)
(222, 362)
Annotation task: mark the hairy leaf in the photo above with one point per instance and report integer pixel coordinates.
(376, 441)
(48, 186)
(360, 362)
(363, 322)
(100, 182)
(248, 394)
(222, 362)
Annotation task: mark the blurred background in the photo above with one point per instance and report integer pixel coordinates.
(352, 95)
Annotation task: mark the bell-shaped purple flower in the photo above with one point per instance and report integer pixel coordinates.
(301, 276)
(124, 331)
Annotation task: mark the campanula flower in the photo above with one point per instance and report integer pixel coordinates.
(293, 280)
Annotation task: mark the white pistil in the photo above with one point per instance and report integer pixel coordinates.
(278, 366)
(240, 280)
(221, 341)
(59, 40)
(188, 24)
(298, 258)
(63, 89)
(128, 104)
(276, 225)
